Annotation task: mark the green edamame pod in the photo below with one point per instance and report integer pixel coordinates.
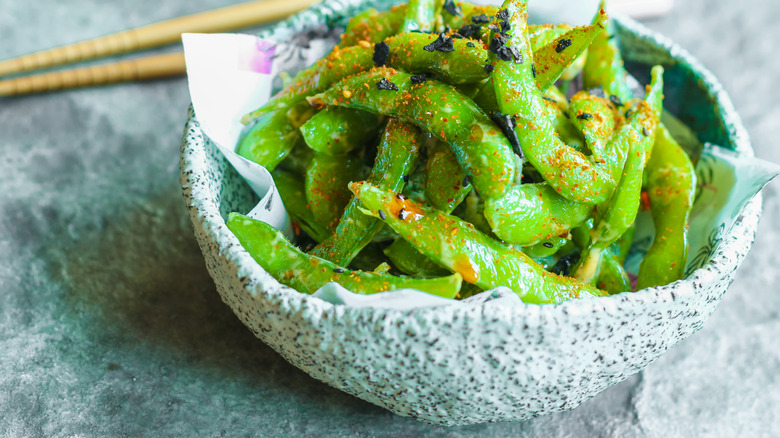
(327, 177)
(446, 184)
(396, 155)
(464, 64)
(305, 273)
(372, 26)
(612, 277)
(530, 213)
(542, 34)
(604, 65)
(568, 171)
(619, 215)
(272, 136)
(336, 130)
(422, 15)
(482, 149)
(291, 189)
(554, 58)
(457, 245)
(593, 116)
(545, 248)
(410, 261)
(276, 123)
(671, 186)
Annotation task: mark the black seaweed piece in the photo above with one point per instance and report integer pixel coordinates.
(381, 53)
(517, 54)
(645, 131)
(503, 14)
(470, 44)
(584, 116)
(507, 124)
(402, 214)
(497, 43)
(465, 181)
(493, 27)
(418, 79)
(382, 215)
(489, 68)
(470, 30)
(564, 264)
(384, 84)
(452, 8)
(505, 26)
(614, 99)
(405, 178)
(457, 36)
(504, 54)
(480, 19)
(549, 99)
(442, 44)
(562, 45)
(533, 69)
(338, 270)
(547, 244)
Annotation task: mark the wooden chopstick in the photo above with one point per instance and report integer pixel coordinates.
(240, 16)
(150, 67)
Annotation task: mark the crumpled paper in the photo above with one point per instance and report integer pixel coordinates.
(232, 74)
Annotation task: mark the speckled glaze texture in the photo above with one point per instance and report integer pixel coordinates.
(458, 365)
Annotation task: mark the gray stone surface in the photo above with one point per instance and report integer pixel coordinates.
(110, 325)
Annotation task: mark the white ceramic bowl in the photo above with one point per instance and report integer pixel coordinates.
(459, 365)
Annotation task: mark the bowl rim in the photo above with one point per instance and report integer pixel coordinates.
(205, 214)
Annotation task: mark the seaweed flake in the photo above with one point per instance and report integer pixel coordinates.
(497, 43)
(442, 44)
(507, 124)
(584, 116)
(381, 53)
(418, 79)
(562, 45)
(384, 84)
(480, 19)
(470, 30)
(518, 55)
(452, 8)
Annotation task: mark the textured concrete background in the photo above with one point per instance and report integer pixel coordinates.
(110, 325)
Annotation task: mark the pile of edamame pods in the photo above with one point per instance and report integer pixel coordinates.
(435, 148)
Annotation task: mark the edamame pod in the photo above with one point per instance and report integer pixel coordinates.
(327, 177)
(671, 186)
(336, 131)
(530, 213)
(482, 149)
(305, 273)
(396, 155)
(457, 245)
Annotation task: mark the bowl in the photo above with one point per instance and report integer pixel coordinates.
(458, 365)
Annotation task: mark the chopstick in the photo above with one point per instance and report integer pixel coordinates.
(229, 18)
(150, 67)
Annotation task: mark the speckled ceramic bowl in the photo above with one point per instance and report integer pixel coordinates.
(458, 365)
